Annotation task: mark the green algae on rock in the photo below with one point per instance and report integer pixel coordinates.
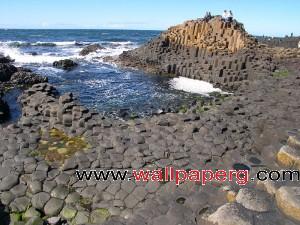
(100, 215)
(280, 73)
(56, 146)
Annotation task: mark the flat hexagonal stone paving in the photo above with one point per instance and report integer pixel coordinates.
(53, 207)
(8, 182)
(39, 200)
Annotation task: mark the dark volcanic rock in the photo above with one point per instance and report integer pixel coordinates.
(4, 110)
(66, 64)
(4, 215)
(22, 69)
(27, 78)
(5, 59)
(12, 77)
(6, 71)
(89, 49)
(223, 54)
(33, 53)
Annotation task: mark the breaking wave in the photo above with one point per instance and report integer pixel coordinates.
(19, 44)
(25, 58)
(27, 53)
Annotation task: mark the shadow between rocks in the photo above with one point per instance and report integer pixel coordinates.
(4, 216)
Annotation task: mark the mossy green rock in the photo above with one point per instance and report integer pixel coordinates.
(281, 73)
(57, 146)
(62, 151)
(100, 215)
(68, 213)
(31, 212)
(14, 217)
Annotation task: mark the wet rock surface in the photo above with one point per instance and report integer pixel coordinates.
(90, 49)
(5, 59)
(65, 64)
(14, 77)
(27, 78)
(6, 71)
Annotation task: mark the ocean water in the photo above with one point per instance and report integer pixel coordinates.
(97, 84)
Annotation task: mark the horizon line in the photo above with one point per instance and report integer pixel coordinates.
(130, 29)
(135, 29)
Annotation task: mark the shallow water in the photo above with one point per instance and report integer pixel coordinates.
(97, 84)
(11, 98)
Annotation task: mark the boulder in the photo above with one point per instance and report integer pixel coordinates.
(231, 214)
(33, 53)
(255, 200)
(27, 78)
(65, 64)
(288, 201)
(6, 71)
(5, 59)
(294, 141)
(91, 48)
(289, 157)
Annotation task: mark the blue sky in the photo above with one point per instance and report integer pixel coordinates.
(269, 17)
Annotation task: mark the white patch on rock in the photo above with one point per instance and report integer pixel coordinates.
(193, 86)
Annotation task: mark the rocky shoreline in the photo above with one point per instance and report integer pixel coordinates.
(214, 51)
(12, 77)
(256, 127)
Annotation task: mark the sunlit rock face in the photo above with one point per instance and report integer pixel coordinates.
(215, 51)
(214, 34)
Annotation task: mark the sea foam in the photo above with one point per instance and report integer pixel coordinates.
(62, 50)
(27, 58)
(193, 86)
(112, 49)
